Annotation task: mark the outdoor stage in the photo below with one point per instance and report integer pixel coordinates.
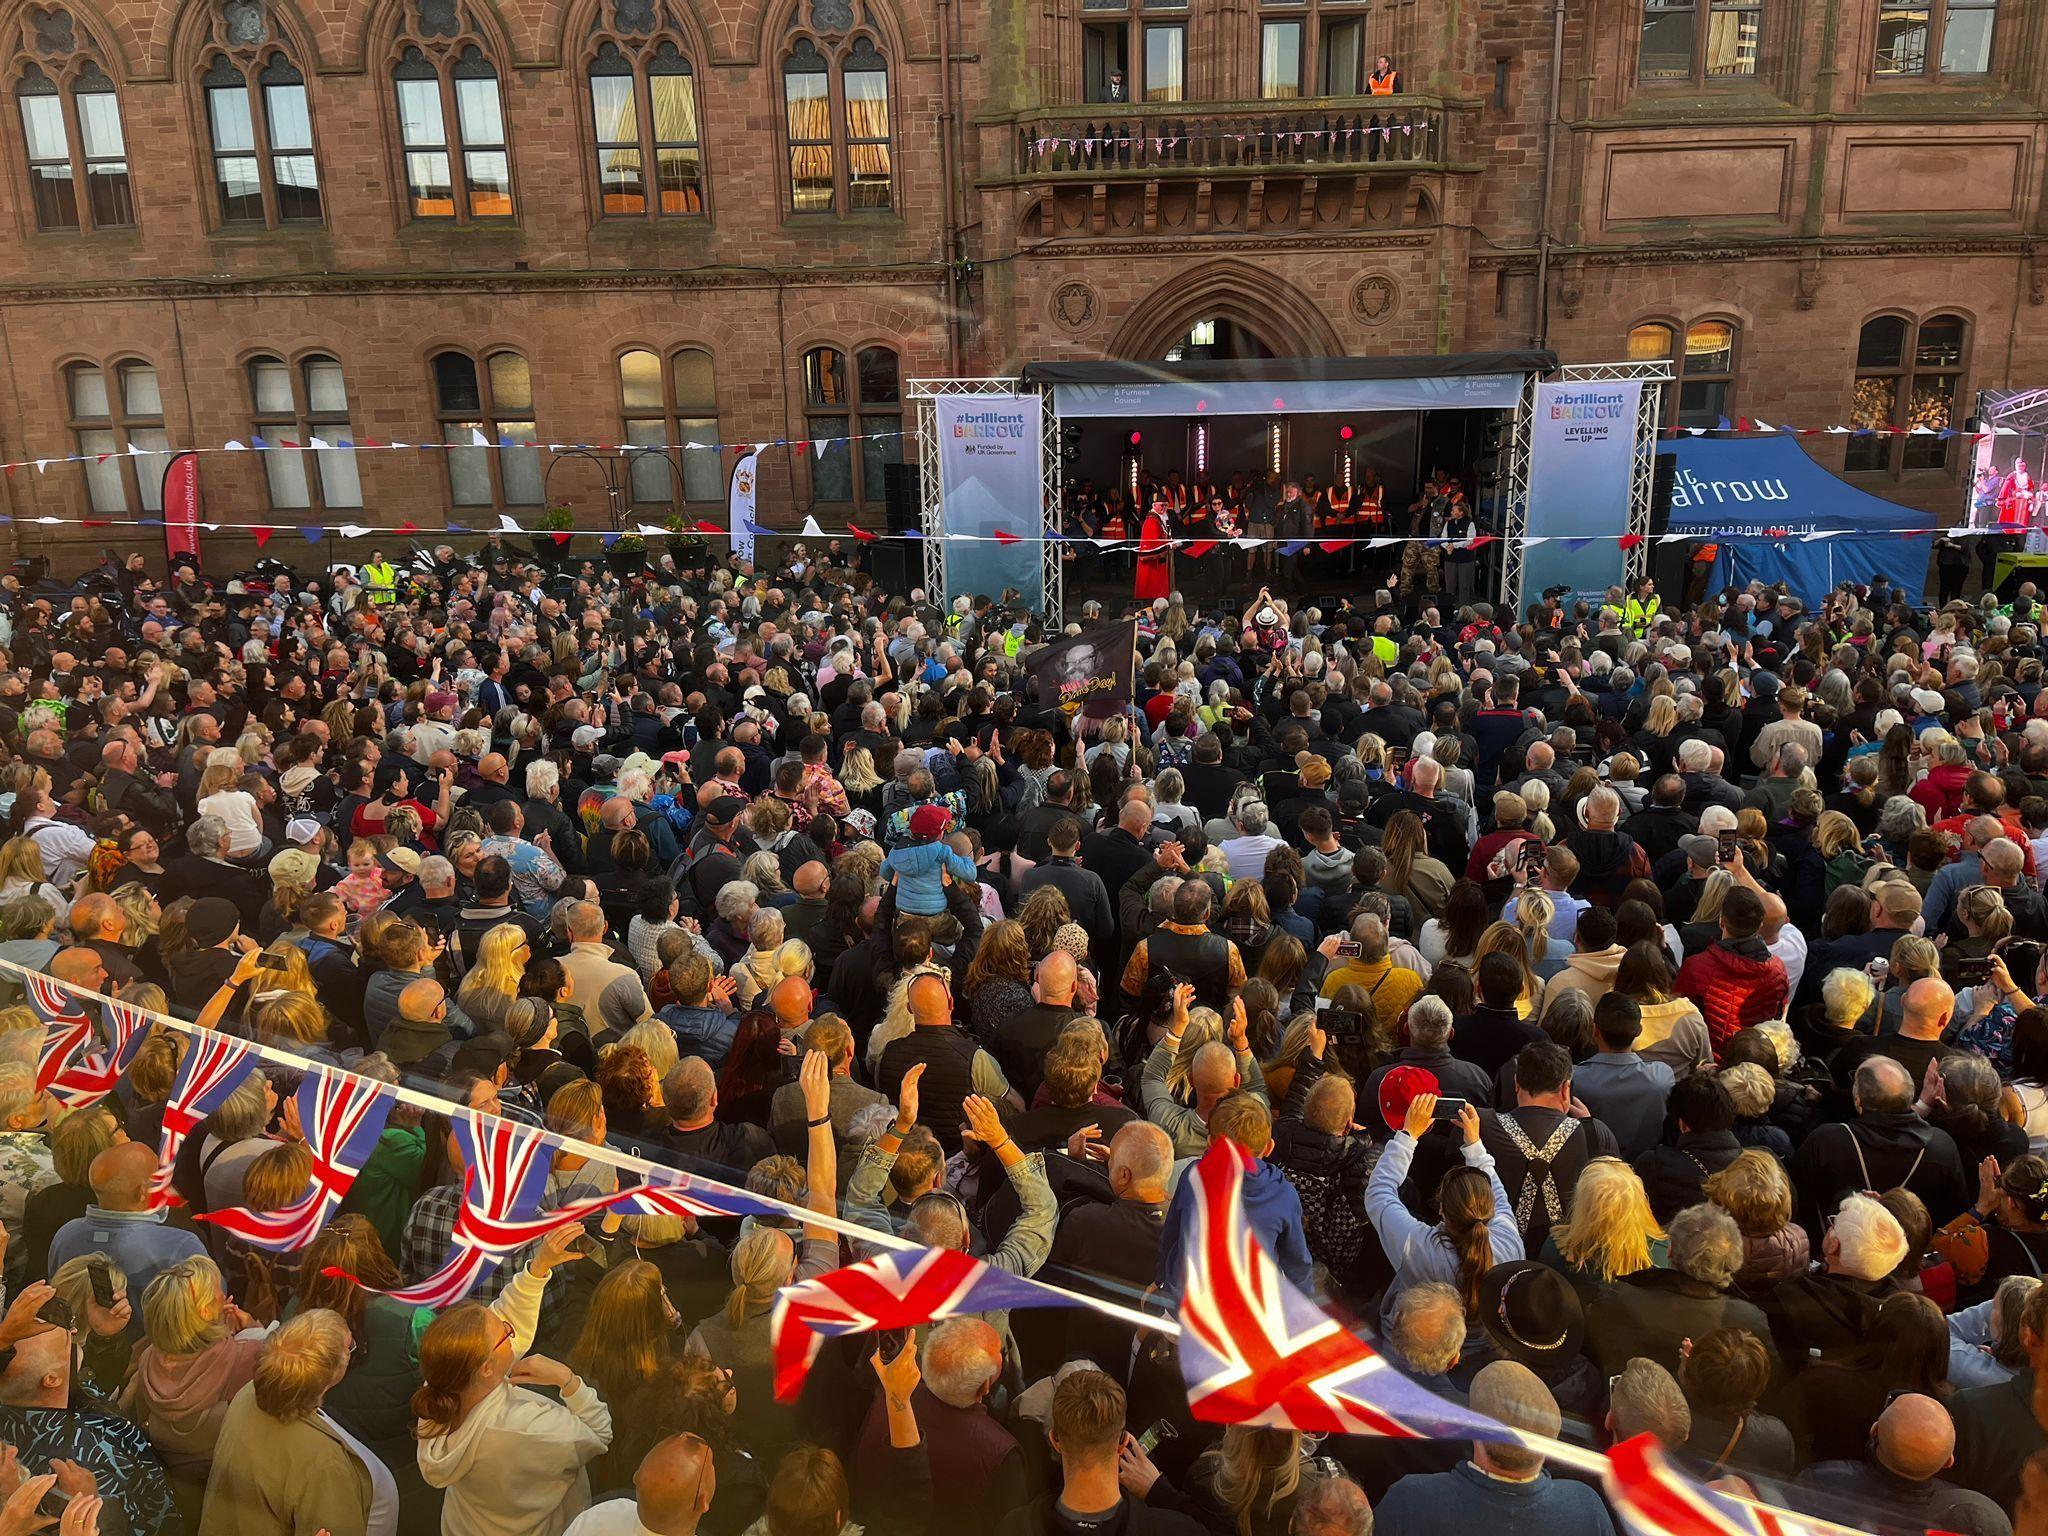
(995, 456)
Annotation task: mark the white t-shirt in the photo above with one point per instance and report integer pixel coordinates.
(614, 1517)
(237, 810)
(383, 1517)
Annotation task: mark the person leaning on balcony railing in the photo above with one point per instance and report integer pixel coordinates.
(1385, 80)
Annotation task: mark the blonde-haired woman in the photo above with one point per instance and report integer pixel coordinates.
(1508, 939)
(1610, 1232)
(221, 794)
(1535, 910)
(200, 1350)
(736, 1337)
(1840, 846)
(491, 984)
(1755, 1191)
(22, 874)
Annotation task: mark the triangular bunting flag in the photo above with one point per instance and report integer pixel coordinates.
(811, 530)
(478, 440)
(261, 535)
(1630, 540)
(313, 534)
(1004, 536)
(860, 533)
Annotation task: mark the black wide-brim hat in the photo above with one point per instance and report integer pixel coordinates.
(1531, 1313)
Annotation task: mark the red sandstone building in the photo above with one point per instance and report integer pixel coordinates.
(642, 221)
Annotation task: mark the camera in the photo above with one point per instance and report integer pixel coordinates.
(1562, 589)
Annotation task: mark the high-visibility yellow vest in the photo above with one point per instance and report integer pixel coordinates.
(382, 583)
(1637, 616)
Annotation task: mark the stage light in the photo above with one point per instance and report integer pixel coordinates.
(1201, 448)
(1273, 454)
(1137, 438)
(1344, 434)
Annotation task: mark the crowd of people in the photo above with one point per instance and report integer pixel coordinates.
(1626, 1016)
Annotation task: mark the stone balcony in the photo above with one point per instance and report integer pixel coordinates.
(1175, 168)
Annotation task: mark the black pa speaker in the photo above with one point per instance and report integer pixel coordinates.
(903, 497)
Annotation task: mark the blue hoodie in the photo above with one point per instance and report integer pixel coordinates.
(1272, 1208)
(919, 890)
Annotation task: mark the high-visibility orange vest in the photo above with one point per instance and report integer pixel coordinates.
(1384, 85)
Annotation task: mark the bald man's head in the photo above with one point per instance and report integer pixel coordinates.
(121, 1176)
(791, 1002)
(492, 766)
(1140, 1157)
(930, 1001)
(1775, 917)
(1929, 1003)
(674, 1485)
(81, 967)
(1915, 1437)
(1056, 976)
(810, 879)
(419, 1002)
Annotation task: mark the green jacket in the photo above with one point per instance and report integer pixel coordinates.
(389, 1183)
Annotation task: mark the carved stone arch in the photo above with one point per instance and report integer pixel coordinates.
(1274, 310)
(59, 35)
(242, 29)
(390, 23)
(589, 20)
(834, 24)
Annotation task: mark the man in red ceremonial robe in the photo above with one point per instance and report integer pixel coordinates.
(2016, 496)
(1155, 557)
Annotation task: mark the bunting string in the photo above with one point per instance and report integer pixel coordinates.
(512, 1160)
(477, 441)
(1193, 546)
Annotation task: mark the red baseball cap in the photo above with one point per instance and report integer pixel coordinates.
(1400, 1088)
(930, 820)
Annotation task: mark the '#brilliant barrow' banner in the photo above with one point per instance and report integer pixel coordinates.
(1582, 445)
(990, 482)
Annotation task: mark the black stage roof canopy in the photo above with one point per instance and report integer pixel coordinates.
(1286, 386)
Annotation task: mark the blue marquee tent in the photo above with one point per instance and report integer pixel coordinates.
(1740, 490)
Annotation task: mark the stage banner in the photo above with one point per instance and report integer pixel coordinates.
(739, 503)
(181, 508)
(1582, 444)
(1097, 667)
(991, 481)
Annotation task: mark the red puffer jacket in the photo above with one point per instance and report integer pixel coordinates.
(1734, 987)
(1941, 792)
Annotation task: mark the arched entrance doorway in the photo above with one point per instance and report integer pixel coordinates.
(1233, 302)
(1217, 339)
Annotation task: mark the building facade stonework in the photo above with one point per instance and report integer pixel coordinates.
(616, 222)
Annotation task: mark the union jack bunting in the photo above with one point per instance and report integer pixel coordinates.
(1654, 1500)
(892, 1290)
(82, 1084)
(65, 1025)
(1254, 1350)
(501, 1194)
(342, 1116)
(500, 1212)
(213, 1068)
